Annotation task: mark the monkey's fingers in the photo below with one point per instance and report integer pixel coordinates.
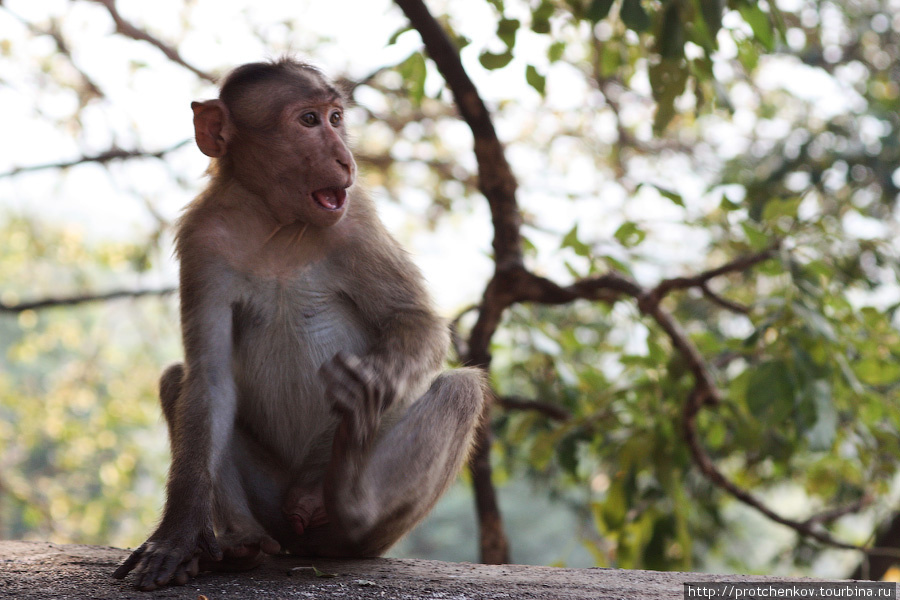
(351, 428)
(186, 571)
(163, 568)
(209, 545)
(130, 563)
(355, 368)
(378, 393)
(148, 571)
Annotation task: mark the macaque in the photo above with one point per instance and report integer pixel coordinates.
(310, 414)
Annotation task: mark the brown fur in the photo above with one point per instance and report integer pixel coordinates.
(309, 414)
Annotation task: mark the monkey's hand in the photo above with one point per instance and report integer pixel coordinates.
(359, 394)
(170, 556)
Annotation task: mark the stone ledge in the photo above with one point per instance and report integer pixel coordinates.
(42, 570)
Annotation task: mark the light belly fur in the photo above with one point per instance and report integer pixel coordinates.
(280, 357)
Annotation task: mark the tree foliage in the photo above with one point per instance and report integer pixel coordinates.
(695, 269)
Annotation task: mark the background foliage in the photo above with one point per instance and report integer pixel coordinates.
(654, 139)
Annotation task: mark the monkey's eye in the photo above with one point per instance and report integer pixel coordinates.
(309, 119)
(336, 118)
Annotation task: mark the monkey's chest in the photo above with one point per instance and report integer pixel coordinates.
(295, 327)
(282, 337)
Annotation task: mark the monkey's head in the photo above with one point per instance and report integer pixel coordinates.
(278, 128)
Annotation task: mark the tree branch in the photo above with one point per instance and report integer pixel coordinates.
(742, 263)
(551, 411)
(527, 287)
(805, 528)
(723, 302)
(513, 283)
(102, 158)
(132, 31)
(75, 300)
(88, 88)
(496, 179)
(459, 344)
(498, 184)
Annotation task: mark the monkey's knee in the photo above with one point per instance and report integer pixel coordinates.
(170, 389)
(463, 391)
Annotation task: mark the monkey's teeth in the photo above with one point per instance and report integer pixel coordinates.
(330, 198)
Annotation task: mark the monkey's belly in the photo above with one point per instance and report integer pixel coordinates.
(281, 395)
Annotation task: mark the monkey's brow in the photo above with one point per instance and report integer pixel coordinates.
(319, 97)
(329, 95)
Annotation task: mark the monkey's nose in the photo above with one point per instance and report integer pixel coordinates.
(348, 166)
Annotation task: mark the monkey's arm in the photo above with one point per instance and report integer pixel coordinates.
(200, 426)
(381, 481)
(411, 340)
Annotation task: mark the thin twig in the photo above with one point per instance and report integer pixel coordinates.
(741, 263)
(723, 302)
(552, 411)
(104, 157)
(805, 528)
(76, 300)
(456, 340)
(130, 30)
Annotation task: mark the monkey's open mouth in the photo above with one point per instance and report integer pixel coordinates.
(330, 198)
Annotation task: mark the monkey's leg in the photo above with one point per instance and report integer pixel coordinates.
(241, 538)
(378, 490)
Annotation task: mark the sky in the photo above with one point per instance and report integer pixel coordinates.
(148, 98)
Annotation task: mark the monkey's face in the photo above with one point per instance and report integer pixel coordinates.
(319, 166)
(293, 152)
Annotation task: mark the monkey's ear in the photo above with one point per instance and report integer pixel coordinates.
(212, 127)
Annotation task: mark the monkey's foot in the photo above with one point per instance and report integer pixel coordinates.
(241, 551)
(305, 508)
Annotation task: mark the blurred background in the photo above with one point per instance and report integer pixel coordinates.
(655, 138)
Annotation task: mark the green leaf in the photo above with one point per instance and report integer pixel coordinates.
(778, 207)
(711, 10)
(492, 61)
(759, 22)
(874, 371)
(506, 31)
(598, 10)
(567, 453)
(571, 241)
(319, 573)
(670, 42)
(414, 72)
(535, 79)
(634, 16)
(815, 321)
(540, 17)
(393, 39)
(770, 392)
(755, 237)
(629, 234)
(616, 504)
(555, 51)
(666, 193)
(616, 264)
(610, 59)
(668, 80)
(748, 54)
(822, 434)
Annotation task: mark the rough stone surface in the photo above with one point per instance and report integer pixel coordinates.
(41, 571)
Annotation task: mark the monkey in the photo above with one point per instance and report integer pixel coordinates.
(311, 414)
